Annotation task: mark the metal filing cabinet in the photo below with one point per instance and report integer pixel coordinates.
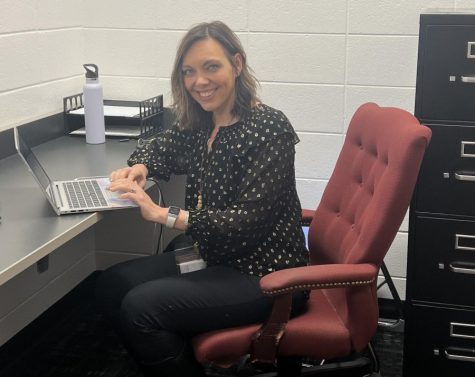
(440, 298)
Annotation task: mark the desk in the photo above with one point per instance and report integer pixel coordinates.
(30, 229)
(74, 245)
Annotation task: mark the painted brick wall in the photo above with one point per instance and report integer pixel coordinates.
(317, 60)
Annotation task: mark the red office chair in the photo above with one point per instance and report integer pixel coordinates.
(353, 227)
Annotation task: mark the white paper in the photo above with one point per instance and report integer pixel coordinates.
(123, 111)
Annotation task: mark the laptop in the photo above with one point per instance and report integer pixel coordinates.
(85, 194)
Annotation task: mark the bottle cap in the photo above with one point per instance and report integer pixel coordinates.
(91, 73)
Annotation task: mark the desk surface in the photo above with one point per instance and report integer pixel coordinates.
(30, 229)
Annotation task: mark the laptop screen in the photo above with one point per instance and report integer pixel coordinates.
(25, 151)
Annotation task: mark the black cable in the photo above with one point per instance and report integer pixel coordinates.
(161, 202)
(381, 284)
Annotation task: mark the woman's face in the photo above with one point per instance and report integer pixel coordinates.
(210, 77)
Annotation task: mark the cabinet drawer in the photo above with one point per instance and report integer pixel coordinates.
(446, 71)
(439, 341)
(447, 177)
(442, 262)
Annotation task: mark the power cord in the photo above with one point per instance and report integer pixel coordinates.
(158, 228)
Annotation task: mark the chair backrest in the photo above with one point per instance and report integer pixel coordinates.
(368, 194)
(364, 204)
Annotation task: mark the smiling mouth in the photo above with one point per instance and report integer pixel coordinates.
(206, 94)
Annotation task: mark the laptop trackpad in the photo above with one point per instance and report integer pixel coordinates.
(114, 197)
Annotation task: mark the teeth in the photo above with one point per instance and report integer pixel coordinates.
(205, 94)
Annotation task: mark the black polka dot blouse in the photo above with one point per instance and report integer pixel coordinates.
(251, 214)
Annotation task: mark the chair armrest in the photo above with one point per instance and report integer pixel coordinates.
(307, 216)
(282, 283)
(318, 277)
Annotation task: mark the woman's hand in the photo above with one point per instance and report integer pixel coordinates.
(133, 191)
(137, 173)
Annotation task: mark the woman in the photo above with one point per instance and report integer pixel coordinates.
(241, 209)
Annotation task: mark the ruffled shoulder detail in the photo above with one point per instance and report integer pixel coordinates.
(263, 124)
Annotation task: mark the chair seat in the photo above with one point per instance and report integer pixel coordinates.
(318, 333)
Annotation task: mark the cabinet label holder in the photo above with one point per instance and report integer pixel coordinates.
(459, 237)
(470, 48)
(457, 329)
(463, 145)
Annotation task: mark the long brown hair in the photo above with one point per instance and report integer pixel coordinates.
(188, 112)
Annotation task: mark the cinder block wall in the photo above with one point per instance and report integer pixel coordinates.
(317, 60)
(41, 46)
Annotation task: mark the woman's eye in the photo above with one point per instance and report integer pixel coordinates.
(212, 67)
(186, 72)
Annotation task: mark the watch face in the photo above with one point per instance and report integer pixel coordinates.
(173, 213)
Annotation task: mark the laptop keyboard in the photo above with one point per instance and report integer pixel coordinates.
(84, 194)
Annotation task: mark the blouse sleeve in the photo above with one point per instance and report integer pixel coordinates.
(165, 155)
(269, 172)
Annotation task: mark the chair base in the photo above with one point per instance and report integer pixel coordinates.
(360, 366)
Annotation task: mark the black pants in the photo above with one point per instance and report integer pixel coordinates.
(156, 310)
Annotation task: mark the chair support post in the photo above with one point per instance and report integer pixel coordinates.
(393, 290)
(266, 341)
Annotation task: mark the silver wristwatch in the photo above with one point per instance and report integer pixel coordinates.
(173, 213)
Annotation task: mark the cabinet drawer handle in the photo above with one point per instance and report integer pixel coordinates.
(465, 177)
(452, 356)
(462, 270)
(468, 79)
(458, 237)
(457, 330)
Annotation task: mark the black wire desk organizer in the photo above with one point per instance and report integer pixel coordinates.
(142, 123)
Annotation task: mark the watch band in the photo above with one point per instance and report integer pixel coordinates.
(173, 213)
(185, 219)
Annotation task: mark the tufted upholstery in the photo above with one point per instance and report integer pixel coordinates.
(353, 227)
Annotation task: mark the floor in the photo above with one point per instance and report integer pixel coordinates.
(71, 339)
